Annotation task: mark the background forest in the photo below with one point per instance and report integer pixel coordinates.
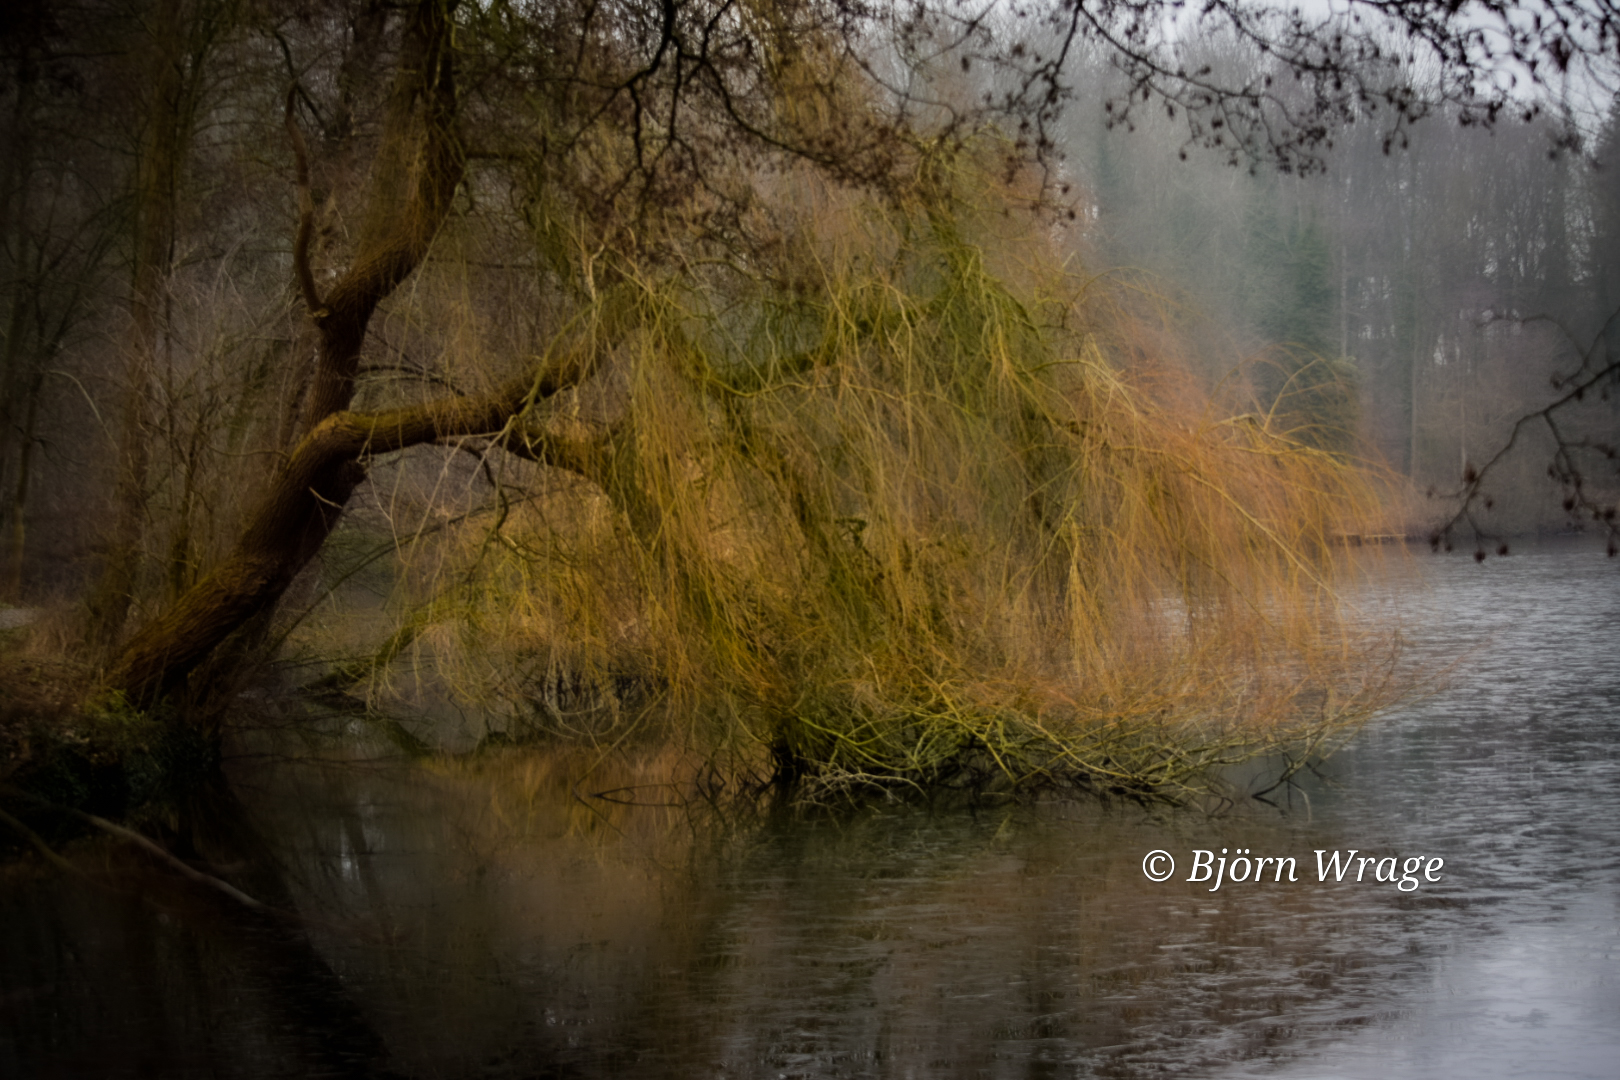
(516, 370)
(1449, 279)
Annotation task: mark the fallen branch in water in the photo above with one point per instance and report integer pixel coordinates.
(39, 844)
(147, 845)
(179, 866)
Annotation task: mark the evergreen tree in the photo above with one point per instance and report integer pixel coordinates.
(1309, 391)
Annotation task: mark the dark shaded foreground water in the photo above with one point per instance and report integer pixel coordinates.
(488, 925)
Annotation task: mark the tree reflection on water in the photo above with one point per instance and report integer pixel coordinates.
(499, 919)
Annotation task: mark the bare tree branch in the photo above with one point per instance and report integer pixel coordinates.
(306, 213)
(1565, 467)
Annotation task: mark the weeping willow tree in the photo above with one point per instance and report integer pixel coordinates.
(777, 433)
(881, 505)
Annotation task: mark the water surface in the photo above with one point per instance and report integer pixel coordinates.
(496, 923)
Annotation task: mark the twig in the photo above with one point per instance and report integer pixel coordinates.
(1563, 469)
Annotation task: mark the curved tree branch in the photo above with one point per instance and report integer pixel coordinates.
(414, 180)
(306, 210)
(1565, 467)
(305, 503)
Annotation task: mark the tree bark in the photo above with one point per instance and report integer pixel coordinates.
(414, 179)
(296, 515)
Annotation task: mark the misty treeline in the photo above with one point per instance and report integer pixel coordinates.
(766, 365)
(1423, 294)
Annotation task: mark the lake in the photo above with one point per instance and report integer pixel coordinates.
(500, 922)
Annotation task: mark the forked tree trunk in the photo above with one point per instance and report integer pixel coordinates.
(294, 518)
(414, 179)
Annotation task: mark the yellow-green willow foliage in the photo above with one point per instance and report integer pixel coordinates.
(883, 506)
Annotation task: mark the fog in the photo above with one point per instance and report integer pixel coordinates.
(1455, 276)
